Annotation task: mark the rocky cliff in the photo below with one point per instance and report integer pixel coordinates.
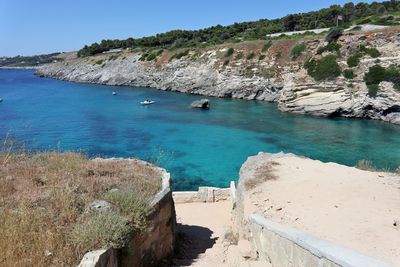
(256, 70)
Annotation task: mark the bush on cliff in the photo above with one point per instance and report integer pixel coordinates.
(229, 52)
(324, 69)
(297, 51)
(378, 74)
(334, 34)
(331, 47)
(348, 74)
(373, 52)
(354, 60)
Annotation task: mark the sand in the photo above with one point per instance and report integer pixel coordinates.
(347, 206)
(205, 225)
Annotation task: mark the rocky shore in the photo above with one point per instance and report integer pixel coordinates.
(260, 75)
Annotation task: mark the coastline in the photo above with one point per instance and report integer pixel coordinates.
(274, 78)
(19, 68)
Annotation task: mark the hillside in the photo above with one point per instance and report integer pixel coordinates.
(306, 75)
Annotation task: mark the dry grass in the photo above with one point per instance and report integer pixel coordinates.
(262, 174)
(44, 199)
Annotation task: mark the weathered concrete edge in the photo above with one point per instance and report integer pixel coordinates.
(320, 248)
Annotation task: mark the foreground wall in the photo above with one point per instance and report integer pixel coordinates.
(281, 245)
(285, 246)
(149, 248)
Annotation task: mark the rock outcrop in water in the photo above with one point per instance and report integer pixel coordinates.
(254, 74)
(202, 103)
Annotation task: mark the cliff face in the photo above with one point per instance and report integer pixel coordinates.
(253, 71)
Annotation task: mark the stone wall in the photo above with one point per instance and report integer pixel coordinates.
(148, 248)
(285, 246)
(204, 194)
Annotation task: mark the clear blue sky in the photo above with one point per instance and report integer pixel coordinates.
(35, 27)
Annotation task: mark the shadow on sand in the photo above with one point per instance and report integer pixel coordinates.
(191, 241)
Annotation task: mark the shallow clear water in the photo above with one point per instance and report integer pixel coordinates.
(197, 147)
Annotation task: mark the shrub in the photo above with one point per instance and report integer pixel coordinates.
(373, 52)
(101, 230)
(297, 51)
(378, 74)
(266, 46)
(239, 56)
(393, 75)
(262, 57)
(99, 62)
(180, 55)
(348, 74)
(324, 69)
(373, 89)
(229, 52)
(250, 56)
(375, 75)
(354, 60)
(334, 34)
(331, 47)
(373, 78)
(226, 62)
(151, 57)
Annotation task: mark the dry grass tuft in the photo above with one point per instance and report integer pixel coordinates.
(365, 165)
(263, 173)
(44, 199)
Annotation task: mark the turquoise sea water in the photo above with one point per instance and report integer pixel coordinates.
(197, 147)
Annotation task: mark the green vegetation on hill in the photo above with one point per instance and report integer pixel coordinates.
(20, 61)
(351, 13)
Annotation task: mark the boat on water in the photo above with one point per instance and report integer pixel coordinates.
(114, 93)
(147, 102)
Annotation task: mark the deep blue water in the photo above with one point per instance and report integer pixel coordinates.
(197, 147)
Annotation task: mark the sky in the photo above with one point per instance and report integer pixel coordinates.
(37, 27)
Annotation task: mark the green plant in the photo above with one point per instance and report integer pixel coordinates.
(99, 62)
(354, 60)
(334, 34)
(348, 74)
(331, 47)
(373, 52)
(250, 56)
(324, 69)
(239, 56)
(393, 75)
(262, 57)
(378, 74)
(297, 51)
(151, 57)
(266, 46)
(229, 52)
(226, 62)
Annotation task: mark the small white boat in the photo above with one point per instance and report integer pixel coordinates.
(114, 93)
(147, 102)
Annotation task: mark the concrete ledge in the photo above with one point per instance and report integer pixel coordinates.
(204, 194)
(285, 246)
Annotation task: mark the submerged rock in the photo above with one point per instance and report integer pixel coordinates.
(203, 104)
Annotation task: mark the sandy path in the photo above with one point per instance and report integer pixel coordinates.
(204, 224)
(347, 206)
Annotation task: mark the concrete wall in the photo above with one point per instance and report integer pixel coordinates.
(285, 246)
(148, 248)
(204, 194)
